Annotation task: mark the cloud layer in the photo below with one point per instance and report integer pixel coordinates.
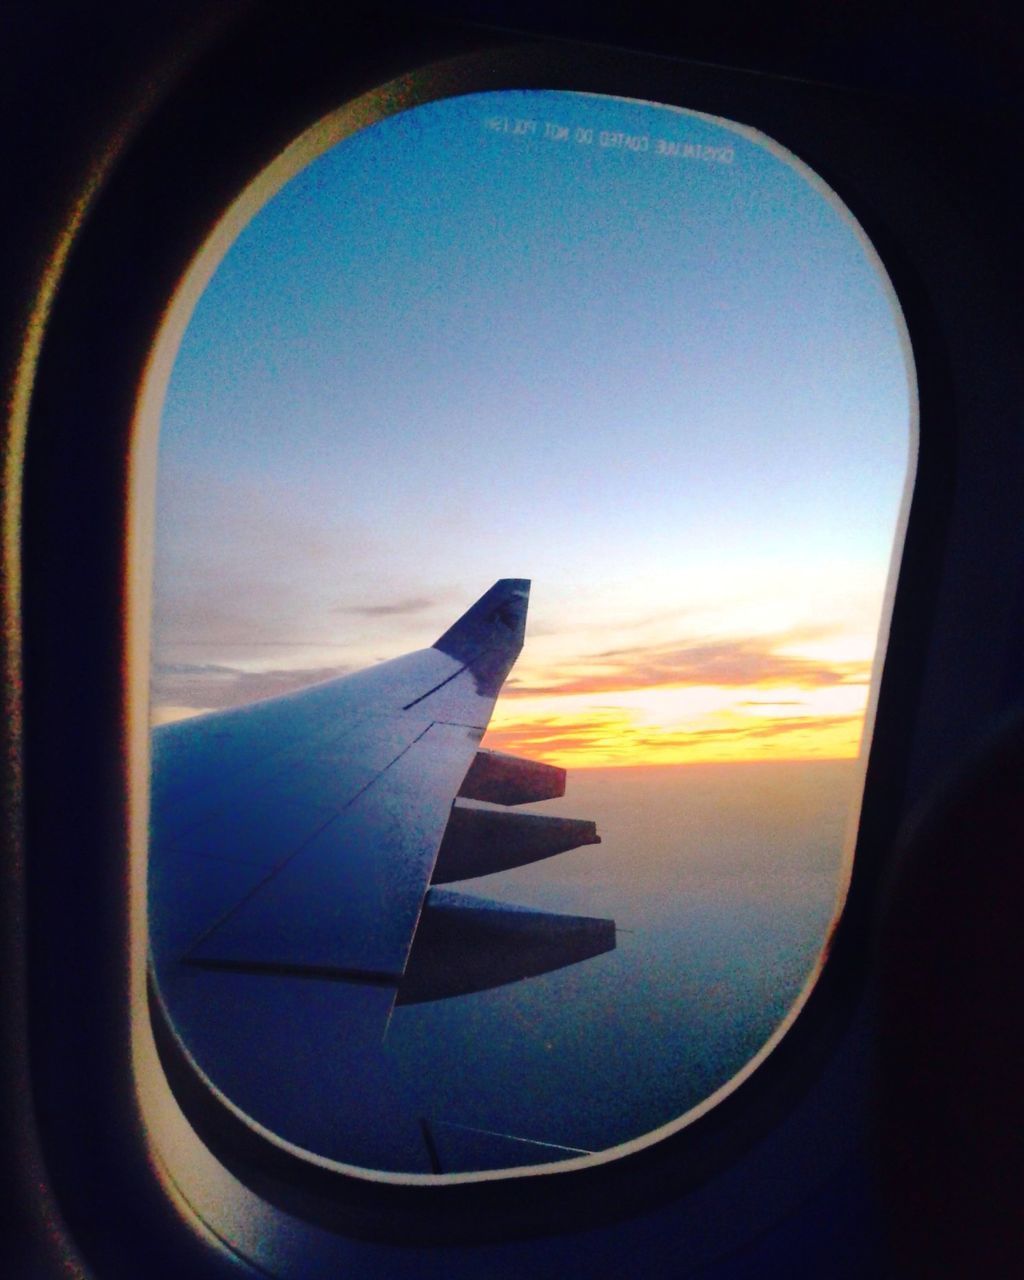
(398, 608)
(695, 698)
(214, 687)
(758, 661)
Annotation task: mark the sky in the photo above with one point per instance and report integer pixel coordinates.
(625, 351)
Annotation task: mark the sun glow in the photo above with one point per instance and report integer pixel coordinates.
(675, 697)
(797, 695)
(683, 726)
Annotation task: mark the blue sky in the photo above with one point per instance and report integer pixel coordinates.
(669, 389)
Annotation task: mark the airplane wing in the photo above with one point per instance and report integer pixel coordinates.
(294, 849)
(300, 836)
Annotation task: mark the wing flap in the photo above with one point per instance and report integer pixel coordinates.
(479, 842)
(500, 778)
(466, 944)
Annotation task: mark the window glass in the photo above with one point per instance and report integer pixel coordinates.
(646, 360)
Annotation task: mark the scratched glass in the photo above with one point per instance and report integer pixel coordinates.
(584, 422)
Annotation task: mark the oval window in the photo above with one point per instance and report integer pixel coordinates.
(529, 478)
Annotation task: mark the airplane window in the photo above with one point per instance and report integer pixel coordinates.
(529, 477)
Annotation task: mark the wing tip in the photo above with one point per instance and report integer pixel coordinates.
(496, 621)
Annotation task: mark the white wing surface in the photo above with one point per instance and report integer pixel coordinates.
(324, 810)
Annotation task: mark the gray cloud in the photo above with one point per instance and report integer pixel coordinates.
(210, 686)
(398, 608)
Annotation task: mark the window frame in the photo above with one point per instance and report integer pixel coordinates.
(87, 381)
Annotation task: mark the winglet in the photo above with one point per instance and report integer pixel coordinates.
(489, 635)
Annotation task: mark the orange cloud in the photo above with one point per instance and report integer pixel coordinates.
(701, 699)
(614, 738)
(696, 700)
(730, 663)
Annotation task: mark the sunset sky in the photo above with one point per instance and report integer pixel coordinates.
(623, 351)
